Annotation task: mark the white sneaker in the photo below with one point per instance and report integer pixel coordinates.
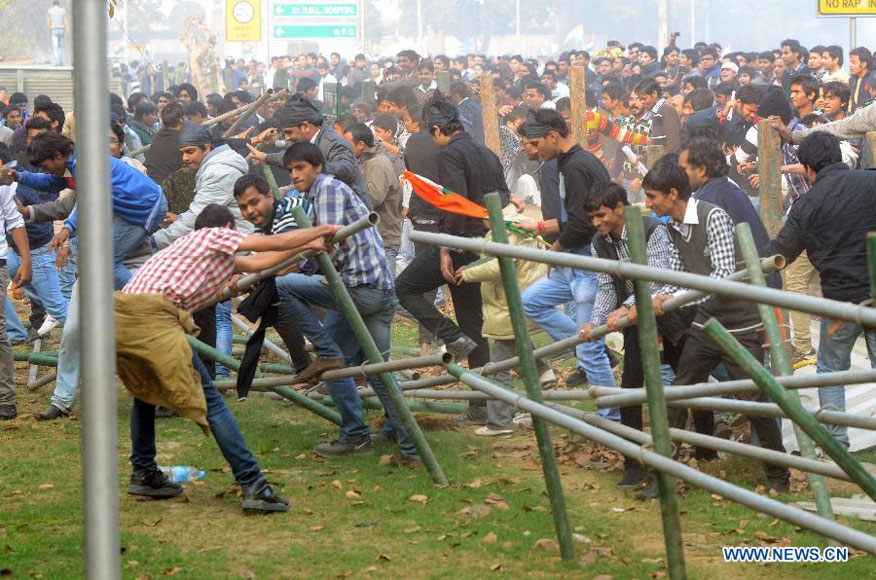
(487, 432)
(49, 324)
(548, 379)
(523, 420)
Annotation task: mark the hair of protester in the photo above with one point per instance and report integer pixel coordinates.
(214, 100)
(650, 50)
(792, 44)
(195, 108)
(749, 95)
(426, 65)
(647, 87)
(672, 89)
(813, 118)
(386, 122)
(818, 48)
(539, 87)
(517, 113)
(835, 51)
(409, 54)
(214, 215)
(667, 175)
(616, 91)
(459, 89)
(172, 115)
(696, 81)
(552, 119)
(17, 99)
(5, 156)
(864, 55)
(692, 55)
(670, 49)
(838, 89)
(135, 99)
(565, 104)
(55, 113)
(747, 70)
(144, 108)
(549, 73)
(808, 83)
(700, 99)
(37, 123)
(402, 98)
(118, 131)
(605, 193)
(707, 152)
(724, 89)
(248, 180)
(304, 151)
(346, 121)
(189, 88)
(709, 51)
(305, 84)
(819, 150)
(157, 97)
(361, 133)
(48, 145)
(8, 109)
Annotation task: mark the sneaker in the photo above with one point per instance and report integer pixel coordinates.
(548, 380)
(338, 448)
(399, 460)
(577, 379)
(780, 485)
(318, 366)
(650, 492)
(523, 420)
(461, 347)
(29, 339)
(8, 412)
(48, 325)
(475, 416)
(51, 414)
(803, 355)
(487, 431)
(153, 483)
(702, 455)
(614, 358)
(382, 437)
(634, 476)
(259, 497)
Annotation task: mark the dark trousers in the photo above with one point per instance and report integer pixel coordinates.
(698, 359)
(293, 339)
(423, 275)
(206, 321)
(420, 247)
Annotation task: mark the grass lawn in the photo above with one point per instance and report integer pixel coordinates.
(358, 517)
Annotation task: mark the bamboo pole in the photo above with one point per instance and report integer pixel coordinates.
(871, 139)
(232, 130)
(373, 354)
(653, 153)
(781, 366)
(648, 340)
(791, 406)
(759, 503)
(578, 100)
(858, 314)
(490, 115)
(529, 374)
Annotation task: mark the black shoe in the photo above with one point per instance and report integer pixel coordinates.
(614, 358)
(702, 455)
(577, 379)
(259, 497)
(650, 492)
(461, 348)
(780, 485)
(153, 483)
(382, 437)
(634, 476)
(165, 413)
(474, 416)
(338, 448)
(8, 412)
(51, 414)
(29, 339)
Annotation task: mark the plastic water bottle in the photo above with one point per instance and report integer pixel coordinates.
(181, 473)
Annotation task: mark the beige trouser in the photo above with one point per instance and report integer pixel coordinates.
(799, 275)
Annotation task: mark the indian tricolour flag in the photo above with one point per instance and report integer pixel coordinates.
(443, 198)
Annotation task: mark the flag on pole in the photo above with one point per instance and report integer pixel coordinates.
(443, 198)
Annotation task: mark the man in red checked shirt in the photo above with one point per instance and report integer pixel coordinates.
(155, 362)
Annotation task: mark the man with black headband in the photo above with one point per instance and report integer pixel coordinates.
(580, 170)
(301, 120)
(470, 169)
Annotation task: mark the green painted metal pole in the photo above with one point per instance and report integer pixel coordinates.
(373, 354)
(299, 399)
(791, 406)
(369, 92)
(780, 364)
(272, 181)
(44, 359)
(443, 80)
(418, 407)
(529, 373)
(648, 340)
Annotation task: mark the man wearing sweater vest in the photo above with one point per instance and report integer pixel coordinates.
(702, 242)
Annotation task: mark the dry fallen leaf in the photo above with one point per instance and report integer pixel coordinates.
(490, 538)
(547, 545)
(413, 530)
(173, 571)
(351, 494)
(46, 486)
(603, 577)
(383, 557)
(419, 498)
(496, 567)
(317, 528)
(581, 539)
(337, 484)
(385, 460)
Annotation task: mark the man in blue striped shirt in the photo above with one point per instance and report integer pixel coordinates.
(362, 265)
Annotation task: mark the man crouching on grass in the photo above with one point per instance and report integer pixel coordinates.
(155, 362)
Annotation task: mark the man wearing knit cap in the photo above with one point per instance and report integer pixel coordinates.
(470, 169)
(217, 168)
(729, 70)
(301, 120)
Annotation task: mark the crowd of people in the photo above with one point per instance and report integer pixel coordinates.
(192, 211)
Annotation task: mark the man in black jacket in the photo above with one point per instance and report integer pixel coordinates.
(831, 223)
(470, 169)
(579, 171)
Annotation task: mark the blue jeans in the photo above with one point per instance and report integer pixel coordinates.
(58, 46)
(562, 285)
(15, 330)
(222, 425)
(44, 287)
(223, 334)
(67, 382)
(127, 238)
(334, 338)
(834, 354)
(67, 274)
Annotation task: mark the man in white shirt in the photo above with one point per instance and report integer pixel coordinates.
(11, 222)
(56, 21)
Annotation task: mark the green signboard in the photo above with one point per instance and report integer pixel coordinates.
(297, 31)
(316, 10)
